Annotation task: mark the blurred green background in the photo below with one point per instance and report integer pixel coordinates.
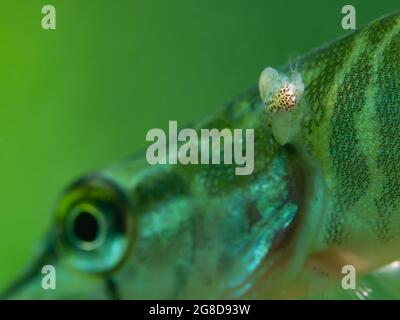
(84, 95)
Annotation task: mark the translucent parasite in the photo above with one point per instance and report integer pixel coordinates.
(281, 95)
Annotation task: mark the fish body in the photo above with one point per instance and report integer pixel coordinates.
(327, 197)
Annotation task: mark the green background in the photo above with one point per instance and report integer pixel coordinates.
(84, 95)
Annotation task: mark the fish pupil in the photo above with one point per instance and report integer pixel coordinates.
(86, 227)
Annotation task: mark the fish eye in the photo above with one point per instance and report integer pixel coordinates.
(93, 226)
(86, 227)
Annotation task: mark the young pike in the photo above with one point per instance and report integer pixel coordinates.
(324, 193)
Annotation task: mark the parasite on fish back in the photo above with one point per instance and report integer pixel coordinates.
(282, 95)
(278, 92)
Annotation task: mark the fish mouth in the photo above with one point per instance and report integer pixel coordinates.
(35, 283)
(88, 240)
(46, 256)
